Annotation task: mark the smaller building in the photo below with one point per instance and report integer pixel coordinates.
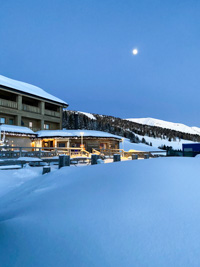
(87, 139)
(17, 135)
(191, 149)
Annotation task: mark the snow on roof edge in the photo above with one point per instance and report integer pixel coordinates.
(29, 89)
(75, 133)
(16, 129)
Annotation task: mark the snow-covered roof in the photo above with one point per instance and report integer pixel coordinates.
(29, 89)
(75, 133)
(16, 129)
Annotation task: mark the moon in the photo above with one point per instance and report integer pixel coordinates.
(135, 51)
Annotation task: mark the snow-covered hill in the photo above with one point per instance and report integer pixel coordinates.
(167, 125)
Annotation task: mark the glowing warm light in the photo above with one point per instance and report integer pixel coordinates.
(135, 51)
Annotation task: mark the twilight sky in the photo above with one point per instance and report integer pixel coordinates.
(81, 51)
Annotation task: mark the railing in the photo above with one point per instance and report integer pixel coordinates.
(8, 103)
(94, 151)
(111, 152)
(30, 108)
(52, 113)
(41, 152)
(127, 154)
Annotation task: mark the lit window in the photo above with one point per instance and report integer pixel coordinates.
(2, 120)
(46, 126)
(30, 124)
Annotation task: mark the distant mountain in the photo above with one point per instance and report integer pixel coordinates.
(167, 125)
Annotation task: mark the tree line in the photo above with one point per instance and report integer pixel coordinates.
(121, 127)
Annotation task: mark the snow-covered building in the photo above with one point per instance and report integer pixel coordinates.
(17, 135)
(88, 139)
(23, 104)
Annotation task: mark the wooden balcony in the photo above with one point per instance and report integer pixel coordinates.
(30, 108)
(52, 113)
(8, 103)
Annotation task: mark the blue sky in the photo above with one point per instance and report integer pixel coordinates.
(80, 51)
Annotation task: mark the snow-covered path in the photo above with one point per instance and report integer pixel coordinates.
(134, 213)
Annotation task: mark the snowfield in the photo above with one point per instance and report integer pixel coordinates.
(167, 125)
(158, 142)
(134, 213)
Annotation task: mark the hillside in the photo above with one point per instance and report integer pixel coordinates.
(179, 127)
(165, 134)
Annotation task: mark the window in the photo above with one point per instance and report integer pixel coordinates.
(2, 120)
(11, 121)
(46, 126)
(30, 124)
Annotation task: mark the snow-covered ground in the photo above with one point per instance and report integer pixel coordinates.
(168, 125)
(135, 213)
(127, 145)
(158, 142)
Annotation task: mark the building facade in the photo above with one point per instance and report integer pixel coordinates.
(22, 104)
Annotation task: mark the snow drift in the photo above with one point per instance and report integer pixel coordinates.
(136, 213)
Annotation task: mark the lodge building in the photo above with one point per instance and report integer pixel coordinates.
(30, 117)
(22, 104)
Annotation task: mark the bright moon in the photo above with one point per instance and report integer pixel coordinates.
(135, 51)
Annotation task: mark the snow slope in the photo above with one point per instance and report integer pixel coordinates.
(136, 213)
(89, 115)
(127, 145)
(28, 88)
(168, 125)
(158, 142)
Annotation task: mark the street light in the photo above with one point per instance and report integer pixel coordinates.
(82, 133)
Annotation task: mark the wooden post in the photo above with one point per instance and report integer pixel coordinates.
(94, 159)
(64, 160)
(39, 152)
(116, 157)
(20, 152)
(134, 156)
(46, 169)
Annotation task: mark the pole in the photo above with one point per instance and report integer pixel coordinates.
(0, 131)
(82, 139)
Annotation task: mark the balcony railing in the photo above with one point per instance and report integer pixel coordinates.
(52, 113)
(8, 103)
(30, 108)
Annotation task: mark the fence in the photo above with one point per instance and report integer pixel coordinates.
(125, 154)
(40, 152)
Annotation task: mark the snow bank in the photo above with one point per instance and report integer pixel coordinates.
(28, 88)
(135, 213)
(127, 145)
